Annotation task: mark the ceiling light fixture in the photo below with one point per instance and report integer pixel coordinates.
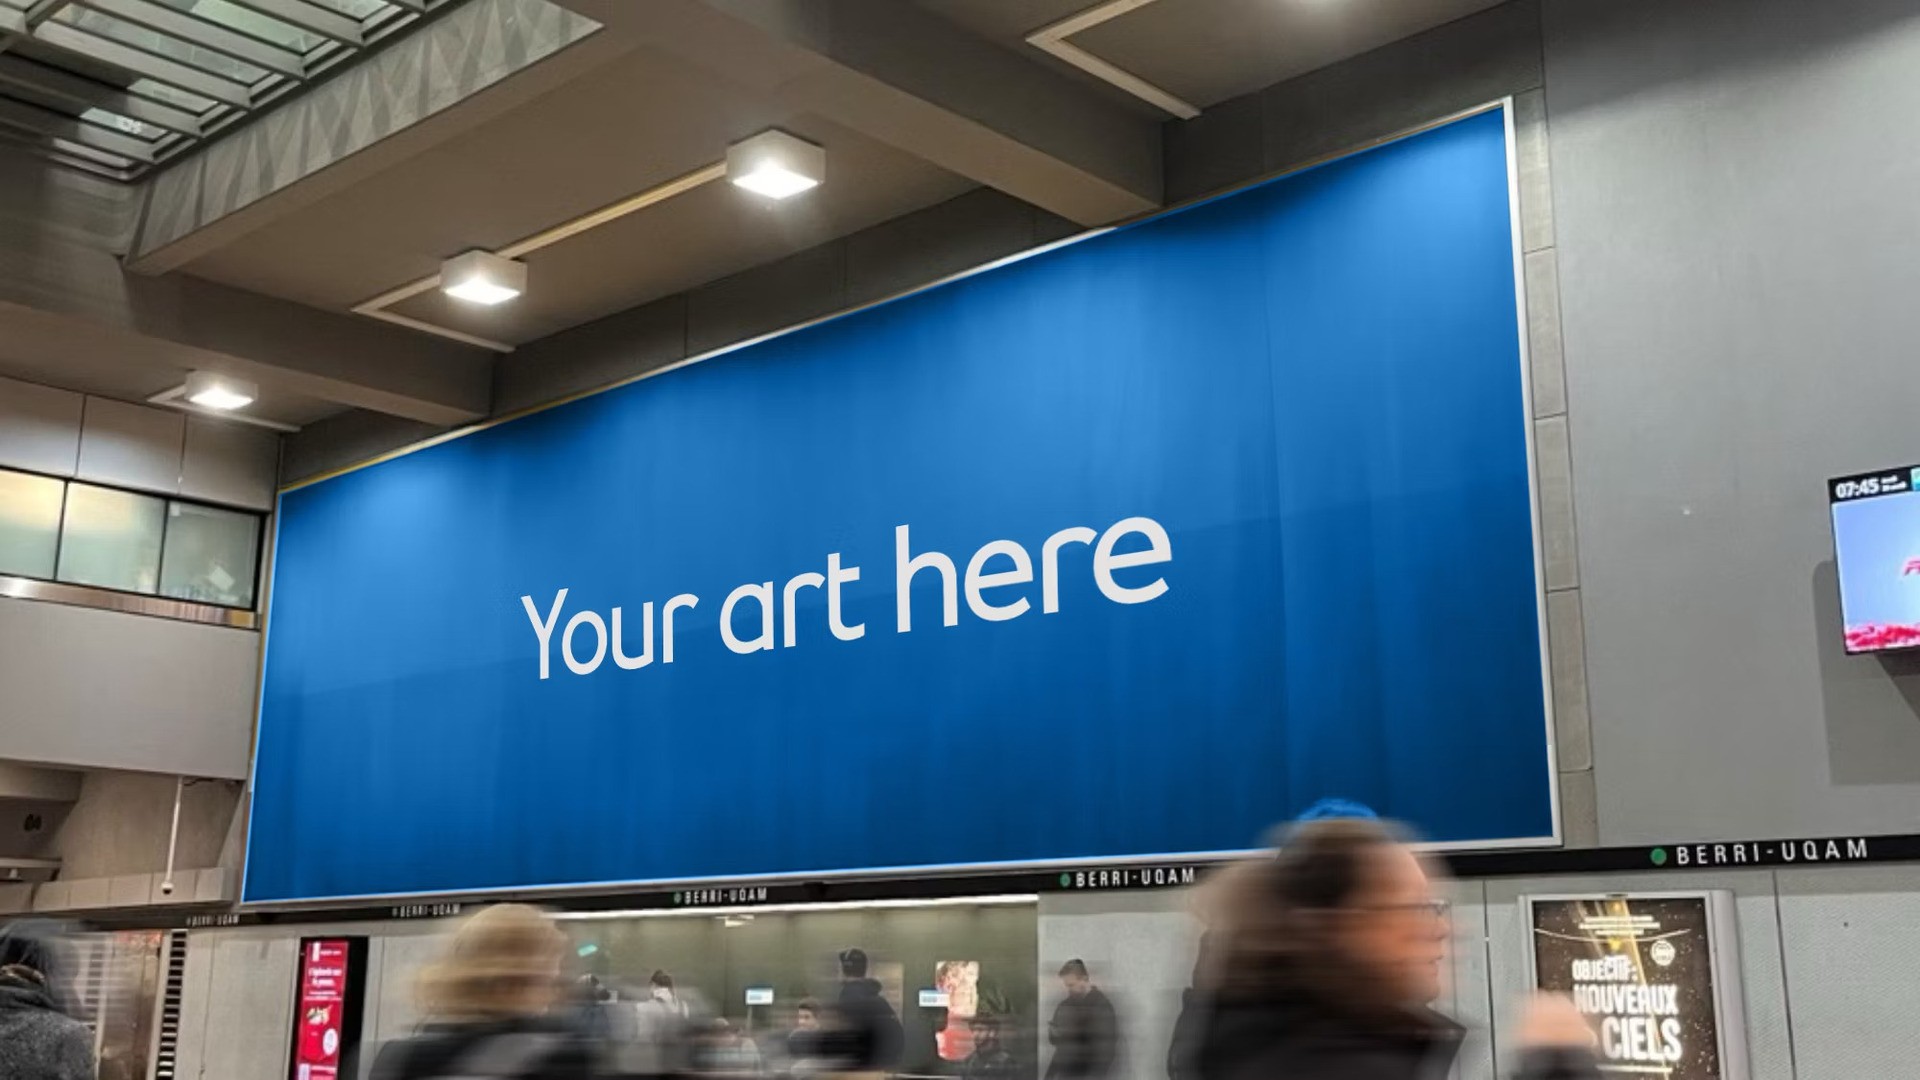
(776, 164)
(481, 277)
(212, 390)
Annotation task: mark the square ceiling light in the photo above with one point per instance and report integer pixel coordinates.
(481, 277)
(776, 164)
(212, 390)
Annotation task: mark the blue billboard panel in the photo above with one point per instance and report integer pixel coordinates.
(1129, 548)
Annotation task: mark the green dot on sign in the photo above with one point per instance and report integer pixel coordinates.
(1066, 880)
(1659, 856)
(676, 898)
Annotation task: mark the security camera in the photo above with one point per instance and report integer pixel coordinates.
(166, 888)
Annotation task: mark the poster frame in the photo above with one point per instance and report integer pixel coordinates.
(1723, 960)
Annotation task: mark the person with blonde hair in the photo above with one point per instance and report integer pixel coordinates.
(486, 1006)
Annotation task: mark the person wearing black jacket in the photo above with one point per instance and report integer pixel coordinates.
(869, 1038)
(1085, 1033)
(1322, 963)
(488, 1004)
(38, 1039)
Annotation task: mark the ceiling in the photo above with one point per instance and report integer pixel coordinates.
(1207, 51)
(116, 87)
(74, 354)
(914, 101)
(556, 158)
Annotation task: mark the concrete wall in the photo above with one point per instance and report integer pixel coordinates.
(1737, 266)
(121, 822)
(1825, 957)
(179, 698)
(163, 451)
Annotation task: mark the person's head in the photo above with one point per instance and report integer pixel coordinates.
(503, 962)
(1345, 912)
(807, 1016)
(986, 1029)
(1073, 976)
(660, 986)
(853, 964)
(31, 949)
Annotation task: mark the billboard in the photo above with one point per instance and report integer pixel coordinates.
(1654, 973)
(1127, 548)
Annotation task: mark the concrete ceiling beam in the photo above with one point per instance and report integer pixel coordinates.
(906, 77)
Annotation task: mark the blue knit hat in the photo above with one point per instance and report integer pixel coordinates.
(1336, 808)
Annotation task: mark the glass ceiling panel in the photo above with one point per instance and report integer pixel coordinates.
(126, 125)
(173, 73)
(359, 9)
(249, 22)
(171, 48)
(161, 92)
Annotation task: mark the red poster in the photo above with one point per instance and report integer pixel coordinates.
(323, 996)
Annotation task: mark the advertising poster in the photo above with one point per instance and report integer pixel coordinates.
(845, 597)
(1646, 973)
(320, 1020)
(959, 982)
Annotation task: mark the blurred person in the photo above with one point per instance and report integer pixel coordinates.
(1323, 962)
(38, 1040)
(991, 1059)
(804, 1041)
(1181, 1048)
(487, 1005)
(725, 1048)
(658, 1045)
(1085, 1032)
(870, 1038)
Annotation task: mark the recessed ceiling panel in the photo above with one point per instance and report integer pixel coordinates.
(79, 79)
(1207, 51)
(559, 157)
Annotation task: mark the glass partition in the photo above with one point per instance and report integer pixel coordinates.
(111, 539)
(957, 974)
(29, 523)
(86, 534)
(210, 555)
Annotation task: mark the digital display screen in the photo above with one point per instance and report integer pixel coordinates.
(321, 1021)
(759, 995)
(1876, 546)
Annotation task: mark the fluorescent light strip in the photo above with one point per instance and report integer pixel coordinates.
(1053, 40)
(788, 909)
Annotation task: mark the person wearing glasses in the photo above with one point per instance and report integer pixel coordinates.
(1323, 963)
